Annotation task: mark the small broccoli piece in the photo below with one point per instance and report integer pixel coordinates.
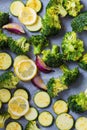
(79, 23)
(55, 86)
(73, 7)
(31, 126)
(20, 46)
(4, 18)
(52, 57)
(78, 102)
(39, 42)
(83, 62)
(69, 76)
(8, 80)
(3, 40)
(72, 47)
(3, 117)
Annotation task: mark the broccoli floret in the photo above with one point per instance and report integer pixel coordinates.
(73, 7)
(69, 76)
(72, 47)
(4, 18)
(3, 40)
(52, 57)
(31, 126)
(78, 102)
(39, 42)
(20, 46)
(55, 86)
(83, 62)
(79, 23)
(8, 80)
(3, 117)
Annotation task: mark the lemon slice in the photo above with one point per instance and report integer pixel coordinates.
(28, 16)
(26, 70)
(18, 106)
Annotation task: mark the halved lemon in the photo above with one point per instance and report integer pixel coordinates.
(28, 16)
(18, 106)
(25, 70)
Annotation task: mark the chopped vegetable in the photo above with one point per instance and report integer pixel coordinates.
(5, 95)
(72, 47)
(14, 27)
(14, 125)
(4, 18)
(31, 125)
(83, 62)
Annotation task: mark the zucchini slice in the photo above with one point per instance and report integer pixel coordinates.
(36, 26)
(60, 106)
(18, 59)
(5, 95)
(16, 7)
(64, 121)
(81, 123)
(45, 118)
(32, 114)
(21, 92)
(42, 99)
(13, 126)
(0, 104)
(35, 4)
(5, 61)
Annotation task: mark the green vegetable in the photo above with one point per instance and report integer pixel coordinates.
(78, 102)
(69, 76)
(4, 18)
(3, 117)
(83, 62)
(57, 85)
(20, 46)
(79, 23)
(39, 42)
(31, 126)
(52, 57)
(3, 41)
(73, 7)
(8, 80)
(72, 47)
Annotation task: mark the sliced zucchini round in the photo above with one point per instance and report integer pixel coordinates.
(64, 121)
(36, 26)
(5, 95)
(35, 4)
(16, 7)
(19, 58)
(45, 119)
(81, 123)
(0, 104)
(42, 99)
(60, 106)
(5, 61)
(32, 114)
(13, 126)
(21, 92)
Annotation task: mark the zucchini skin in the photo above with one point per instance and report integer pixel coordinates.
(14, 122)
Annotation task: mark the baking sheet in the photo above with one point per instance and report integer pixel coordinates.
(79, 85)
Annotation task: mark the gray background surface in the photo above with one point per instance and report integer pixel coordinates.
(79, 85)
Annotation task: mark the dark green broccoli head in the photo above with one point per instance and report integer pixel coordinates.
(3, 117)
(83, 62)
(31, 126)
(4, 18)
(39, 42)
(50, 25)
(52, 57)
(55, 86)
(3, 40)
(8, 80)
(72, 47)
(78, 102)
(69, 76)
(79, 23)
(73, 7)
(20, 46)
